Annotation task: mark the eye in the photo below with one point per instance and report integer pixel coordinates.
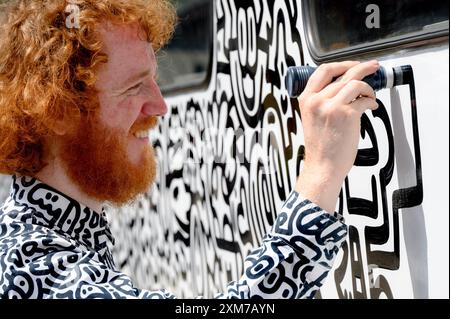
(134, 90)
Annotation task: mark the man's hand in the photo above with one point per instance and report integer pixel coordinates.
(331, 118)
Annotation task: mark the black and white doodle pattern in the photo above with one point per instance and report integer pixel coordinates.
(229, 156)
(51, 246)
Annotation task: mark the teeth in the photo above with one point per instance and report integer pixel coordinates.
(141, 134)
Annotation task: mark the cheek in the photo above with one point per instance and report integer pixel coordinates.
(122, 114)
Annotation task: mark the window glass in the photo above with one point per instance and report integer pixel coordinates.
(345, 25)
(185, 62)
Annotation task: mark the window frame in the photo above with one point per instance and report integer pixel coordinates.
(182, 88)
(411, 39)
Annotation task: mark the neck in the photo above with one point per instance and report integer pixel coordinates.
(55, 176)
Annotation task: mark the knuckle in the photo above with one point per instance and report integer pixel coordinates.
(308, 101)
(303, 100)
(362, 87)
(366, 86)
(367, 103)
(345, 79)
(355, 83)
(326, 67)
(315, 101)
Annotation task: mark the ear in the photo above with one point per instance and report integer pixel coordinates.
(60, 128)
(63, 127)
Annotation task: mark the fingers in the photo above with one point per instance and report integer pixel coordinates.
(325, 74)
(364, 104)
(353, 90)
(358, 72)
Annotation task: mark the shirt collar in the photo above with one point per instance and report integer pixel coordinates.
(63, 214)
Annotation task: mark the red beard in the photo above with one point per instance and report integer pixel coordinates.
(96, 159)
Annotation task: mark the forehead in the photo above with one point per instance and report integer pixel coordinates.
(127, 49)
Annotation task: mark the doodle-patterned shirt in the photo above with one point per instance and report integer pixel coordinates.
(51, 246)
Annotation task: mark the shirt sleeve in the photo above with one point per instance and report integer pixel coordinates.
(292, 262)
(295, 256)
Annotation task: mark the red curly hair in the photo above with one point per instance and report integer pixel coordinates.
(48, 71)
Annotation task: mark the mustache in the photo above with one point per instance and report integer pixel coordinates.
(146, 124)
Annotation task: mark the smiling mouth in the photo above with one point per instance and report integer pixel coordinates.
(141, 130)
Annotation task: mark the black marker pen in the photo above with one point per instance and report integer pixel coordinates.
(385, 78)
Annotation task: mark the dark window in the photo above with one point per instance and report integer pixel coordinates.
(185, 62)
(346, 26)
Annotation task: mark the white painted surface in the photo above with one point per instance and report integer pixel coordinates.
(424, 230)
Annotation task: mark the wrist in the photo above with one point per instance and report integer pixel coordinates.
(321, 186)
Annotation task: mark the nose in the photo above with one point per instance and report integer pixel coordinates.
(155, 105)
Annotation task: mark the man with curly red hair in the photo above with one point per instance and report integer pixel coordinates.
(78, 96)
(51, 119)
